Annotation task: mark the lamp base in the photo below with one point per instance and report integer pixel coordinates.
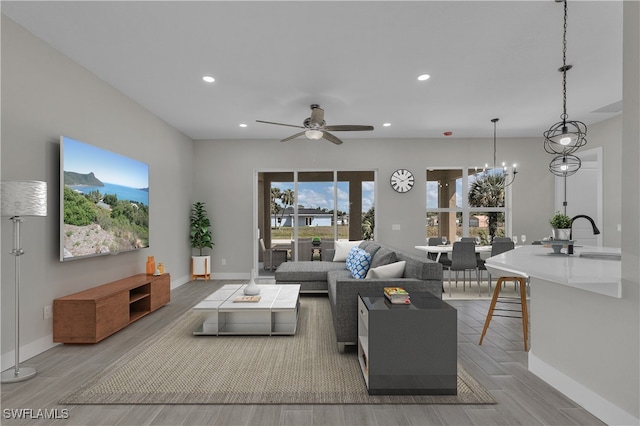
(24, 373)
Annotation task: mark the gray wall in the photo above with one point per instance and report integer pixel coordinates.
(45, 95)
(226, 170)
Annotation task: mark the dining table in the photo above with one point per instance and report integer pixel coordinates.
(448, 248)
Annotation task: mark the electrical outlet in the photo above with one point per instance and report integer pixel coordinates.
(224, 262)
(47, 312)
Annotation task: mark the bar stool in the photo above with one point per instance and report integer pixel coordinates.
(511, 313)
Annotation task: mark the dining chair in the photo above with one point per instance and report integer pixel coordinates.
(433, 241)
(496, 248)
(463, 258)
(501, 239)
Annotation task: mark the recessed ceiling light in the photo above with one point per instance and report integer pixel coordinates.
(243, 125)
(423, 77)
(208, 79)
(386, 124)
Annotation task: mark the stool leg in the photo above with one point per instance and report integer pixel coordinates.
(525, 314)
(492, 306)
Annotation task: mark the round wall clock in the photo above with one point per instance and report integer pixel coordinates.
(402, 180)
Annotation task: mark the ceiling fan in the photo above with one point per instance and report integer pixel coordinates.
(316, 128)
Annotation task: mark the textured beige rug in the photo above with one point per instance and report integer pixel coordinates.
(176, 367)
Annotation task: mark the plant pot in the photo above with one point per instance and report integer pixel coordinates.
(200, 267)
(561, 234)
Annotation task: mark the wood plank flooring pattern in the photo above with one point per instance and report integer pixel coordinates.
(499, 364)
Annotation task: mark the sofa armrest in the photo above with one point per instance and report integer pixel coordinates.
(343, 297)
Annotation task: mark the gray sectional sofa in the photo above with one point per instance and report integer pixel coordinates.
(420, 274)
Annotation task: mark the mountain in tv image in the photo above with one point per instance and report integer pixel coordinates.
(102, 217)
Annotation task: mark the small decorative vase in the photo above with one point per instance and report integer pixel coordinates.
(151, 265)
(252, 288)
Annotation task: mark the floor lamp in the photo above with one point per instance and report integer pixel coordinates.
(21, 198)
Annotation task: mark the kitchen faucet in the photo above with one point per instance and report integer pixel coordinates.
(596, 231)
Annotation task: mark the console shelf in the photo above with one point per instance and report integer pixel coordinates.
(91, 315)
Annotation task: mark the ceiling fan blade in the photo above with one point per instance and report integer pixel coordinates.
(317, 115)
(328, 136)
(280, 124)
(347, 127)
(292, 137)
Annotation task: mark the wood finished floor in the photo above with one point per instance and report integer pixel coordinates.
(500, 364)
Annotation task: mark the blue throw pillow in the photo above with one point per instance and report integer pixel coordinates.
(358, 262)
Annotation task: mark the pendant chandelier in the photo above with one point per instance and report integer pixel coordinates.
(567, 136)
(565, 165)
(504, 167)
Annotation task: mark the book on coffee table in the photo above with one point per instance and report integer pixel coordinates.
(247, 299)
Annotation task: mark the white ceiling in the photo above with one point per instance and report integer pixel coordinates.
(359, 60)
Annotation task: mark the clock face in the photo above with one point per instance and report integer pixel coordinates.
(402, 180)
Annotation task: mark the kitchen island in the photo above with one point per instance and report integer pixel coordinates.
(579, 342)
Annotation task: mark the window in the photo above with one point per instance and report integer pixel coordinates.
(465, 202)
(326, 204)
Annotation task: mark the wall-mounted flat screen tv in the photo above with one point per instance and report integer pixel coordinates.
(104, 201)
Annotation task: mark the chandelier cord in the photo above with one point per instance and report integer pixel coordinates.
(564, 66)
(495, 120)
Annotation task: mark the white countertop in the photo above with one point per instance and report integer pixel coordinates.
(602, 276)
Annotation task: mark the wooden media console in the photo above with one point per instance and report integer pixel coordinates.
(96, 313)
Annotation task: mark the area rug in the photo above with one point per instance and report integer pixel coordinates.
(176, 367)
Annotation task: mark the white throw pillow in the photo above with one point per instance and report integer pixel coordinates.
(392, 270)
(342, 249)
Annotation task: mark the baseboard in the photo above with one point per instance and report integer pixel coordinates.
(28, 351)
(583, 396)
(175, 283)
(231, 276)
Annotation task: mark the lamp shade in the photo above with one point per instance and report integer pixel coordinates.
(24, 198)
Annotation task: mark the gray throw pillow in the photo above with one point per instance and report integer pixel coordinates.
(383, 257)
(370, 247)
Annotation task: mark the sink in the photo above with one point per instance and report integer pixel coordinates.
(601, 256)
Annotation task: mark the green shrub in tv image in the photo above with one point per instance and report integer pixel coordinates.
(97, 223)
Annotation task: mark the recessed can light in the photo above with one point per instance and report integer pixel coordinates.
(386, 124)
(243, 125)
(208, 79)
(423, 77)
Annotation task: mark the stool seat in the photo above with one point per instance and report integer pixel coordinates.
(523, 307)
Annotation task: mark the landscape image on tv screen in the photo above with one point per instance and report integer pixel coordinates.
(104, 201)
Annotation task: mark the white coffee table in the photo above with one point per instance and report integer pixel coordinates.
(275, 314)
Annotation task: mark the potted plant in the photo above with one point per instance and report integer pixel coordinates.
(561, 224)
(201, 238)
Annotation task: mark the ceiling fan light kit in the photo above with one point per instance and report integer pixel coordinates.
(316, 127)
(313, 134)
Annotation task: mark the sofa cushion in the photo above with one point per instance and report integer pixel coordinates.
(358, 262)
(342, 249)
(392, 270)
(383, 256)
(306, 271)
(370, 247)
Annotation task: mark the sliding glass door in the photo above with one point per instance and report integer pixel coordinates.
(295, 208)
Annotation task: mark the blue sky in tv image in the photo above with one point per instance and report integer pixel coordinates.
(107, 166)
